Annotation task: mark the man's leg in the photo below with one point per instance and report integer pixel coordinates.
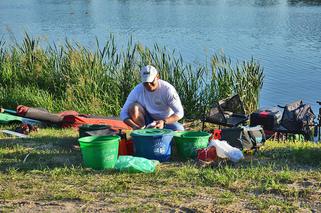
(175, 126)
(137, 114)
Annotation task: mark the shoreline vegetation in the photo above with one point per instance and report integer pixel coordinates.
(98, 80)
(44, 172)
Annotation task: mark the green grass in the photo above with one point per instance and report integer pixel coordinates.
(280, 178)
(97, 80)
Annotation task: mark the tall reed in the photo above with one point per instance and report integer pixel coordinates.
(98, 80)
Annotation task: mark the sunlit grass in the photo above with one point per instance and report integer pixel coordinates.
(274, 180)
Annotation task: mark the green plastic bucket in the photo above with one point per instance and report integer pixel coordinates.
(99, 152)
(188, 142)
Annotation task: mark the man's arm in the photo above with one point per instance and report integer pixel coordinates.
(124, 115)
(171, 119)
(175, 104)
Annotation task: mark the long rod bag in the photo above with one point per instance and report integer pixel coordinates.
(39, 114)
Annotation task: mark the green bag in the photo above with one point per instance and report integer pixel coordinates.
(6, 118)
(135, 164)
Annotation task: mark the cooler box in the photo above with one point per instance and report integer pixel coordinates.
(268, 118)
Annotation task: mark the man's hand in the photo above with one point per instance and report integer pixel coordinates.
(160, 124)
(132, 124)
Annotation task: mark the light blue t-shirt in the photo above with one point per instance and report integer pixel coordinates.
(160, 104)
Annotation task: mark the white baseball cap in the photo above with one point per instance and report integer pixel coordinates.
(148, 73)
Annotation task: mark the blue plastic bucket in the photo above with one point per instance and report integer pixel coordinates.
(154, 144)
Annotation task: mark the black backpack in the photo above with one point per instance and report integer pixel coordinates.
(298, 117)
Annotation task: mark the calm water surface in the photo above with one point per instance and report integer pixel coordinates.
(284, 36)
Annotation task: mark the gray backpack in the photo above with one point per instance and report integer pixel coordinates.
(245, 137)
(252, 137)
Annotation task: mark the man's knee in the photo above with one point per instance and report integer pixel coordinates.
(136, 110)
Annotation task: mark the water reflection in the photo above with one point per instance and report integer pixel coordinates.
(266, 3)
(303, 2)
(71, 18)
(255, 3)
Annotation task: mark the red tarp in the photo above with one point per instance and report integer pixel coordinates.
(77, 121)
(69, 118)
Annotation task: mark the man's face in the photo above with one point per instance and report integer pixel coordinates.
(151, 86)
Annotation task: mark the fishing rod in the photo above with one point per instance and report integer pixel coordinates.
(9, 111)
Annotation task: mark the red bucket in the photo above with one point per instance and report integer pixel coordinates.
(125, 147)
(207, 154)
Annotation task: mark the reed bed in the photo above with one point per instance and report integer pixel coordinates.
(97, 80)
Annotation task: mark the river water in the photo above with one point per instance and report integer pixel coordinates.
(284, 36)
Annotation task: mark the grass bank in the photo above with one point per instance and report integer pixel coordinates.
(45, 173)
(98, 80)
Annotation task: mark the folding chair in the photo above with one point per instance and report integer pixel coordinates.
(297, 118)
(228, 112)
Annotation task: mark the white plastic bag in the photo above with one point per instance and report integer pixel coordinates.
(225, 150)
